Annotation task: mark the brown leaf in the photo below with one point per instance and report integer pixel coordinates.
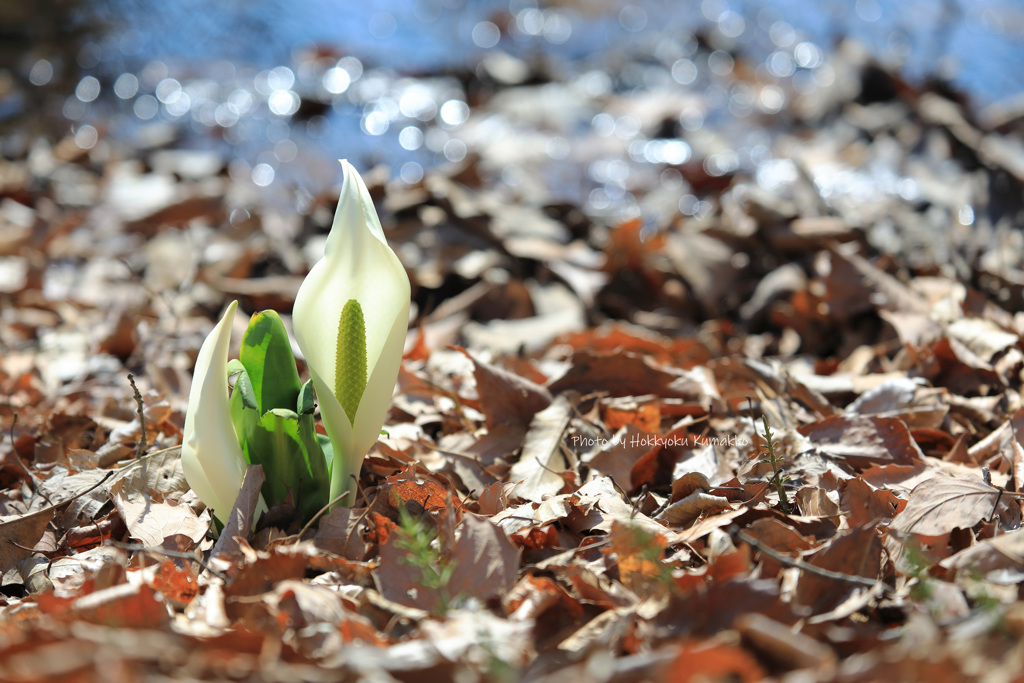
(639, 554)
(689, 483)
(243, 514)
(19, 534)
(210, 208)
(533, 595)
(865, 505)
(712, 609)
(778, 535)
(864, 441)
(1003, 554)
(175, 583)
(125, 606)
(485, 565)
(505, 397)
(494, 498)
(621, 374)
(258, 574)
(619, 337)
(342, 532)
(619, 456)
(854, 286)
(943, 503)
(776, 643)
(486, 562)
(414, 486)
(856, 553)
(694, 506)
(713, 661)
(641, 412)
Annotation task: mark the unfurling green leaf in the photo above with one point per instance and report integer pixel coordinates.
(306, 404)
(267, 356)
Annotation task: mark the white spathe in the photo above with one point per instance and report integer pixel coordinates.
(357, 264)
(211, 456)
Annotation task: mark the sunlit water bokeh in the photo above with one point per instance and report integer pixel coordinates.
(270, 84)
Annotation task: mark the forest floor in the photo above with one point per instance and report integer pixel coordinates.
(772, 432)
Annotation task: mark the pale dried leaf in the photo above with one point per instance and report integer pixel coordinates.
(603, 505)
(983, 337)
(152, 523)
(542, 460)
(943, 503)
(814, 502)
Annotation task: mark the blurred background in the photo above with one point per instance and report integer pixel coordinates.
(278, 90)
(540, 166)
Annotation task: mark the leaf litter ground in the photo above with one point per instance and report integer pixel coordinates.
(574, 483)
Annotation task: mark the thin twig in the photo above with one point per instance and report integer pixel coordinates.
(809, 568)
(140, 447)
(36, 482)
(355, 525)
(170, 553)
(322, 510)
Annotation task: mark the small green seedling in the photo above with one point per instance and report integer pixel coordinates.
(417, 538)
(778, 477)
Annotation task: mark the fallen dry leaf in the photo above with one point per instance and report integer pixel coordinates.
(861, 442)
(943, 503)
(538, 472)
(856, 553)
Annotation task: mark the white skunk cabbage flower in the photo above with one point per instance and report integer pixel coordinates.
(350, 319)
(211, 456)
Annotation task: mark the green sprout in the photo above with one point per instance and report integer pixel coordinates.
(778, 478)
(417, 538)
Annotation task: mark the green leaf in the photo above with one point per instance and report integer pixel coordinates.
(292, 461)
(235, 366)
(244, 414)
(267, 356)
(243, 386)
(284, 413)
(306, 403)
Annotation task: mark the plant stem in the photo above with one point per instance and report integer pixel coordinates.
(773, 459)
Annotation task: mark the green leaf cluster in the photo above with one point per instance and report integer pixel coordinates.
(273, 417)
(416, 537)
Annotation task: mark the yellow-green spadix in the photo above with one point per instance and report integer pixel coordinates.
(350, 319)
